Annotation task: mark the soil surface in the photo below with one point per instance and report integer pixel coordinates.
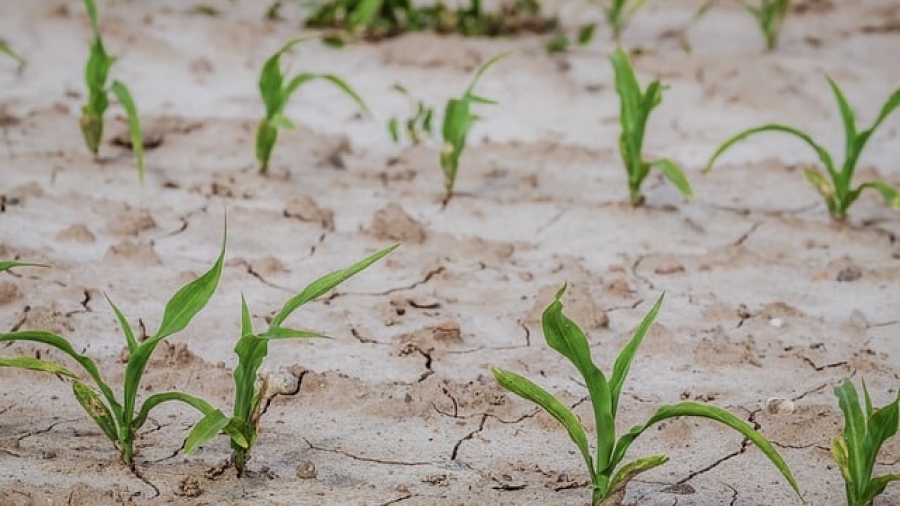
(766, 298)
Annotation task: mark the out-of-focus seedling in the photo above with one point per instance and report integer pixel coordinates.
(619, 13)
(769, 16)
(418, 124)
(458, 120)
(276, 91)
(5, 49)
(635, 108)
(836, 187)
(608, 477)
(120, 420)
(96, 75)
(865, 430)
(252, 348)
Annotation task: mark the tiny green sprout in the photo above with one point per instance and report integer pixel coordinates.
(276, 91)
(865, 430)
(6, 265)
(96, 74)
(458, 120)
(837, 186)
(619, 13)
(250, 398)
(608, 476)
(419, 123)
(5, 49)
(635, 108)
(119, 420)
(560, 42)
(769, 16)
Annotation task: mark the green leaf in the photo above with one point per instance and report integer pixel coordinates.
(191, 298)
(60, 343)
(363, 14)
(91, 9)
(623, 362)
(824, 156)
(281, 121)
(134, 124)
(35, 364)
(287, 333)
(630, 470)
(854, 434)
(673, 173)
(877, 486)
(394, 129)
(266, 136)
(847, 117)
(201, 405)
(693, 409)
(126, 327)
(251, 351)
(6, 265)
(558, 43)
(815, 178)
(889, 193)
(343, 86)
(842, 459)
(586, 34)
(207, 428)
(526, 389)
(324, 284)
(96, 409)
(564, 336)
(488, 64)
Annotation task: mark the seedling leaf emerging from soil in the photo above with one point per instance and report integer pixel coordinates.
(769, 16)
(635, 108)
(619, 13)
(5, 49)
(836, 187)
(417, 125)
(96, 74)
(458, 120)
(609, 475)
(276, 91)
(865, 430)
(252, 348)
(117, 418)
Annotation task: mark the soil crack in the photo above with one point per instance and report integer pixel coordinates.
(455, 453)
(362, 458)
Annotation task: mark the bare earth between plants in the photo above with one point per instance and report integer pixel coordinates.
(766, 297)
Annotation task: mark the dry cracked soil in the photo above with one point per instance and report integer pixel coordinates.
(766, 298)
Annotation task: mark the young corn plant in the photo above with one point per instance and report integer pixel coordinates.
(619, 13)
(252, 348)
(635, 108)
(769, 16)
(609, 476)
(418, 124)
(865, 431)
(120, 418)
(276, 91)
(836, 185)
(96, 75)
(458, 120)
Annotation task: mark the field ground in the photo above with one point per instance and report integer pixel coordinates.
(765, 297)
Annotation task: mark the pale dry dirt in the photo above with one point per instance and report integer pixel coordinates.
(765, 297)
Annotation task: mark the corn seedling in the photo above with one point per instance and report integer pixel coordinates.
(6, 265)
(276, 91)
(635, 108)
(837, 186)
(379, 19)
(608, 477)
(865, 431)
(619, 13)
(5, 49)
(96, 74)
(119, 420)
(769, 16)
(251, 399)
(458, 120)
(419, 123)
(561, 43)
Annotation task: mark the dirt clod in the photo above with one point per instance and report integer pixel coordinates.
(392, 223)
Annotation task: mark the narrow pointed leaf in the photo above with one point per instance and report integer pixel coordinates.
(627, 472)
(36, 364)
(207, 428)
(155, 400)
(96, 409)
(288, 333)
(673, 173)
(528, 390)
(324, 284)
(890, 194)
(623, 362)
(134, 124)
(6, 265)
(126, 327)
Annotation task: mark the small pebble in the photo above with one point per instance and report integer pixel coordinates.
(779, 406)
(776, 322)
